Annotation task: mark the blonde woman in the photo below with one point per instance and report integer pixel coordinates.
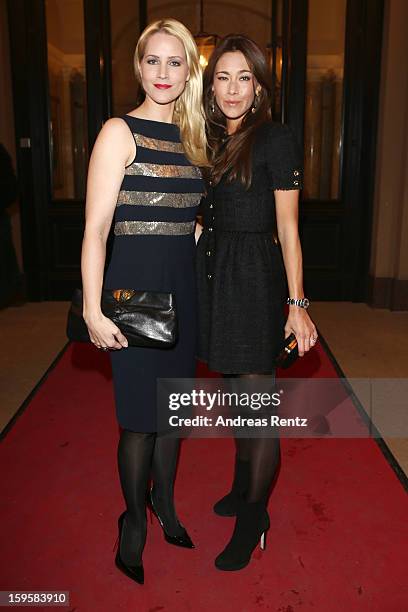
(144, 175)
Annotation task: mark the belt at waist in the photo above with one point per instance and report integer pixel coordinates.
(164, 228)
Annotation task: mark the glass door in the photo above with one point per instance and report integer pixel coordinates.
(322, 215)
(125, 28)
(68, 132)
(331, 55)
(324, 99)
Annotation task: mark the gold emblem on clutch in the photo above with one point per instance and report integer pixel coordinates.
(122, 295)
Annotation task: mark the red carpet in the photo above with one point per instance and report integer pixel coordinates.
(338, 537)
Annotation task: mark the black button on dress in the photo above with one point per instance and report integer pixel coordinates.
(154, 250)
(240, 272)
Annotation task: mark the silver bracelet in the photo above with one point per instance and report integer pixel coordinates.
(301, 302)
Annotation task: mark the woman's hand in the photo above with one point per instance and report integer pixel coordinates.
(300, 324)
(104, 333)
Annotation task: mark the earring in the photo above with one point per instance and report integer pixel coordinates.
(255, 103)
(212, 105)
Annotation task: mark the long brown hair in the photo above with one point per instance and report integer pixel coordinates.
(235, 157)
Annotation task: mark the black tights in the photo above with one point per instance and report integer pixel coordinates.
(263, 455)
(164, 466)
(139, 455)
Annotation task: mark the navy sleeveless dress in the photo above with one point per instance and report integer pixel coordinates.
(154, 250)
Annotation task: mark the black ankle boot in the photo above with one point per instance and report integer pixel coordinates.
(228, 505)
(251, 526)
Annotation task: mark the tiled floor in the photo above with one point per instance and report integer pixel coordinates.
(366, 343)
(370, 343)
(31, 336)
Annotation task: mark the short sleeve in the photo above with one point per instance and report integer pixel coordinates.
(284, 160)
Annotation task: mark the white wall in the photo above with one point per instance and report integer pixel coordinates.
(389, 257)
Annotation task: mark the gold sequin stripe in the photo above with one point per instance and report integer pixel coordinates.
(163, 171)
(163, 228)
(158, 145)
(156, 198)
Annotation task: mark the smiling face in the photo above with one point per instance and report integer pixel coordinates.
(163, 68)
(234, 85)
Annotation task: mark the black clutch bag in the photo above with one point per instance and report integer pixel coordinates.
(289, 352)
(145, 318)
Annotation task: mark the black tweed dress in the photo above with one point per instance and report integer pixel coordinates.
(240, 272)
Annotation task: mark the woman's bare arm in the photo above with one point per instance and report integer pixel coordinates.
(298, 322)
(109, 157)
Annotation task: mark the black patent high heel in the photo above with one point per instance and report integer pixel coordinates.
(182, 540)
(135, 572)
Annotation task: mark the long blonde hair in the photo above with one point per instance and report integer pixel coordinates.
(188, 109)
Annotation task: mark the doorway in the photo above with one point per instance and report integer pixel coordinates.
(72, 64)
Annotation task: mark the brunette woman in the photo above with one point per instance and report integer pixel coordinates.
(144, 173)
(255, 181)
